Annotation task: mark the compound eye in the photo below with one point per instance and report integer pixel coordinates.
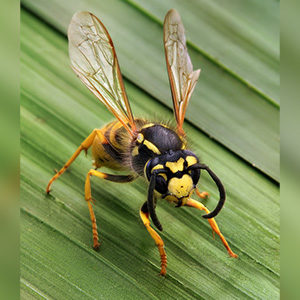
(161, 184)
(195, 174)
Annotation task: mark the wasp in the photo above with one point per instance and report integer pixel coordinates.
(152, 150)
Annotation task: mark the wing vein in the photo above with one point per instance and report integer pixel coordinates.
(182, 78)
(94, 60)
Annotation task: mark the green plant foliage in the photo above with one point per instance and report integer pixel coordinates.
(240, 36)
(57, 260)
(236, 112)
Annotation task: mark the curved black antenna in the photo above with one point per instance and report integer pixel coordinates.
(150, 202)
(220, 187)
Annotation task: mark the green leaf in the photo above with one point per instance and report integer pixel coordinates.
(235, 112)
(57, 260)
(245, 38)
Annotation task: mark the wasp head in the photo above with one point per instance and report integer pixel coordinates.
(174, 175)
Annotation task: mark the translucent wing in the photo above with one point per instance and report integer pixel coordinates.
(180, 69)
(94, 60)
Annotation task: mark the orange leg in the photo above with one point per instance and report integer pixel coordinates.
(158, 241)
(88, 196)
(213, 224)
(84, 146)
(202, 195)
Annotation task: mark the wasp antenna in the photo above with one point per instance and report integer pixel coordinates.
(150, 202)
(221, 192)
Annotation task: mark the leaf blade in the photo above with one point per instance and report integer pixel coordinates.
(252, 132)
(53, 106)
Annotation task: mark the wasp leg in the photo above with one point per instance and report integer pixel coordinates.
(84, 146)
(144, 214)
(213, 224)
(88, 196)
(202, 195)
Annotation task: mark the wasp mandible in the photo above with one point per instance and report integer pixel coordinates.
(152, 150)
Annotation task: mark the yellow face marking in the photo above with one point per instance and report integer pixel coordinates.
(191, 160)
(148, 125)
(181, 187)
(159, 166)
(135, 151)
(151, 147)
(140, 138)
(176, 165)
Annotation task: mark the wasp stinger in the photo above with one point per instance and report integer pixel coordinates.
(150, 149)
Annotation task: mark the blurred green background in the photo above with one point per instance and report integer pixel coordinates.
(9, 150)
(232, 123)
(290, 143)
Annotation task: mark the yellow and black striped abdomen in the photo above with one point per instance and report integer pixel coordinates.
(110, 146)
(153, 140)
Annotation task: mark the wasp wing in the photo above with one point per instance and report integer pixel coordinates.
(94, 60)
(180, 69)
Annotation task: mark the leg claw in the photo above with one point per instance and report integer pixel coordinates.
(163, 271)
(96, 247)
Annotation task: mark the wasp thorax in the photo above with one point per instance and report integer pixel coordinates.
(175, 176)
(151, 141)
